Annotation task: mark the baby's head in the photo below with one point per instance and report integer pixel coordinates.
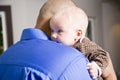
(49, 9)
(69, 25)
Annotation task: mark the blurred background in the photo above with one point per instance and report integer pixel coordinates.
(104, 23)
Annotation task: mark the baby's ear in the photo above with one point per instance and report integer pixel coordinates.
(79, 33)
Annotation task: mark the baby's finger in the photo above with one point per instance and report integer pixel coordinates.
(89, 66)
(93, 73)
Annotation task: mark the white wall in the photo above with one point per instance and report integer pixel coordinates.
(24, 14)
(94, 10)
(111, 17)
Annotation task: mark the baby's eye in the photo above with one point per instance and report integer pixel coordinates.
(59, 31)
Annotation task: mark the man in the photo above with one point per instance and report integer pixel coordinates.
(35, 57)
(50, 8)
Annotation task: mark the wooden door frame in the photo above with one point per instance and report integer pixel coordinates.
(8, 16)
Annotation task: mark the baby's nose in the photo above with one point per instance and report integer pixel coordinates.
(53, 36)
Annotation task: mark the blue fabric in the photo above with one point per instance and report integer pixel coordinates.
(35, 57)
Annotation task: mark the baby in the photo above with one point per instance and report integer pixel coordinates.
(69, 27)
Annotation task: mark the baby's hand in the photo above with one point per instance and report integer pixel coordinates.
(94, 70)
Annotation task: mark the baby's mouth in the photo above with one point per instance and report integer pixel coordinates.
(57, 41)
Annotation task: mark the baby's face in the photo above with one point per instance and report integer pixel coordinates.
(62, 32)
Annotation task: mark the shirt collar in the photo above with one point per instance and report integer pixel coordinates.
(32, 33)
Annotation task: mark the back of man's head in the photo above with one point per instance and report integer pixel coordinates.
(50, 8)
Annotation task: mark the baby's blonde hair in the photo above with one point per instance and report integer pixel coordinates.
(49, 9)
(76, 16)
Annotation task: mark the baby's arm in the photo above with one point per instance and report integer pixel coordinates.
(94, 70)
(95, 53)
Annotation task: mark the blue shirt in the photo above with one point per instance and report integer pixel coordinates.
(35, 57)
